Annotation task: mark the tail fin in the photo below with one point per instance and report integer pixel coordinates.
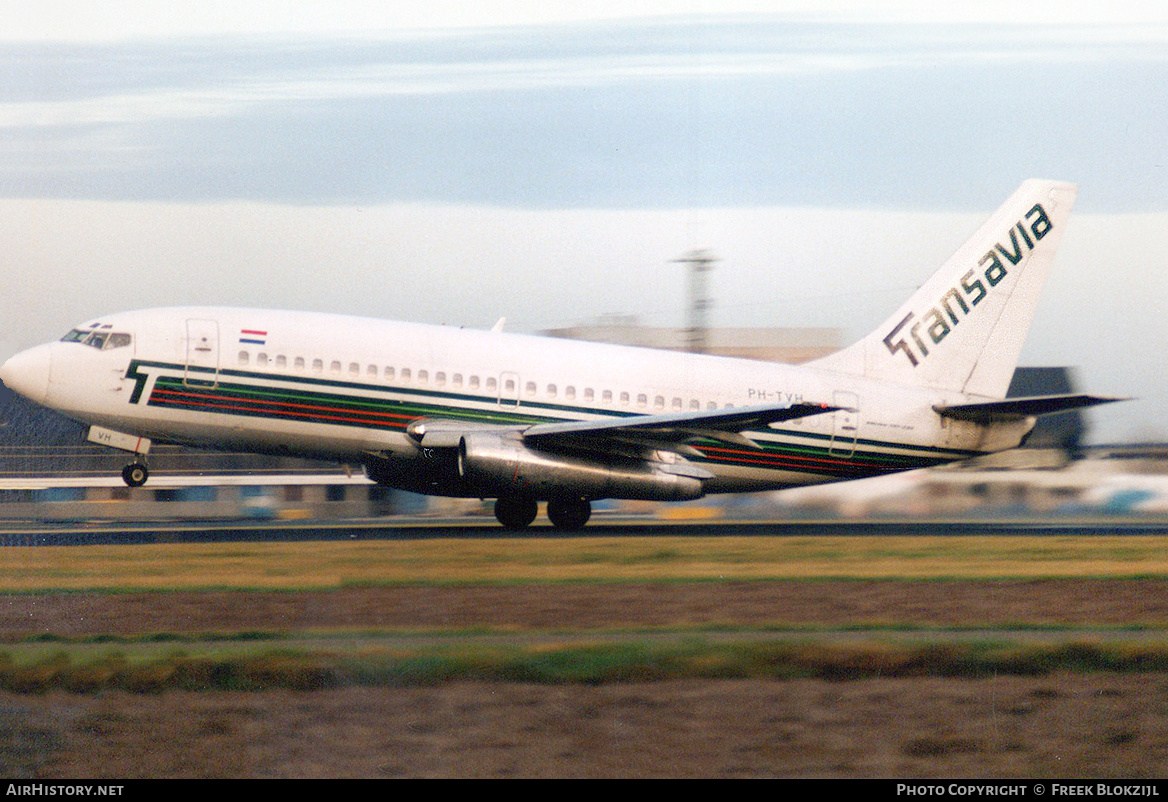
(964, 328)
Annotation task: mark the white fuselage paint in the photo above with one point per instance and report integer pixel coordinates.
(343, 388)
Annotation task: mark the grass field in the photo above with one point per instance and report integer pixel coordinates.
(595, 656)
(322, 565)
(264, 668)
(327, 658)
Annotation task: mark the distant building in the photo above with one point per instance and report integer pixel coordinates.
(790, 345)
(1063, 431)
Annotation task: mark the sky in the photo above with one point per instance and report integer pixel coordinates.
(457, 162)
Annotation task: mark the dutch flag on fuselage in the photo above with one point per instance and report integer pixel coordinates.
(253, 336)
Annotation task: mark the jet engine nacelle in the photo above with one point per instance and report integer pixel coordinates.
(501, 465)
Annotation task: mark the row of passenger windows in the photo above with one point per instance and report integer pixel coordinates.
(457, 381)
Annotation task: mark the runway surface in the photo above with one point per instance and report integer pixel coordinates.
(26, 533)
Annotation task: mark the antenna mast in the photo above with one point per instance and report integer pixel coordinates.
(700, 262)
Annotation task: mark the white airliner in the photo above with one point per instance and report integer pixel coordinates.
(524, 419)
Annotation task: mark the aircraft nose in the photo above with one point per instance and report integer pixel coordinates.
(28, 372)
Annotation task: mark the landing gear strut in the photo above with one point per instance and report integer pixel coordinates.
(135, 474)
(516, 513)
(569, 513)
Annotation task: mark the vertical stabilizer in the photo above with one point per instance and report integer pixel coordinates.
(964, 328)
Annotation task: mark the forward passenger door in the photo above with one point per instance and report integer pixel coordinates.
(202, 368)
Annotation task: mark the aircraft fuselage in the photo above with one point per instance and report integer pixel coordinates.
(345, 388)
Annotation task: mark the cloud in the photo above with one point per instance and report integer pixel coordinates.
(668, 113)
(84, 21)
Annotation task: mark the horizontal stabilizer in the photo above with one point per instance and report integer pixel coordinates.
(1016, 408)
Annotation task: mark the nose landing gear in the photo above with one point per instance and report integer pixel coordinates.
(136, 473)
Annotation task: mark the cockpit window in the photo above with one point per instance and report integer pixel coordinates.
(101, 340)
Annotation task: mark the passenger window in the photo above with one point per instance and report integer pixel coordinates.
(243, 357)
(440, 378)
(281, 361)
(677, 404)
(371, 371)
(335, 368)
(624, 399)
(491, 384)
(659, 402)
(354, 369)
(551, 391)
(423, 376)
(588, 394)
(405, 374)
(606, 397)
(318, 366)
(695, 404)
(457, 379)
(570, 392)
(299, 363)
(474, 382)
(642, 399)
(389, 374)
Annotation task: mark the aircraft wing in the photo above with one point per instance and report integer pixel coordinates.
(1023, 407)
(636, 433)
(671, 431)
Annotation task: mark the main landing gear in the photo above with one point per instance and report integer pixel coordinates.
(136, 473)
(516, 513)
(569, 514)
(566, 514)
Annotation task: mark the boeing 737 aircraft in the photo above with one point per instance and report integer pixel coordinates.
(524, 419)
